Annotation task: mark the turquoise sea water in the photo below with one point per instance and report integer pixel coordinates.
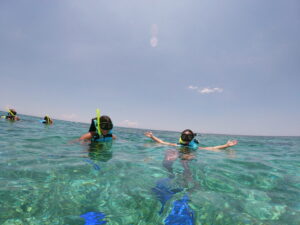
(46, 179)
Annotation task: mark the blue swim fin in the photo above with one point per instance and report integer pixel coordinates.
(96, 167)
(181, 213)
(163, 191)
(94, 218)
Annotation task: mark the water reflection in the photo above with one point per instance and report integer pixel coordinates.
(100, 151)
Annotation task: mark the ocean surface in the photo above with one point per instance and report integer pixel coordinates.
(45, 178)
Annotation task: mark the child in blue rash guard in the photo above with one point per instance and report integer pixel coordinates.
(102, 135)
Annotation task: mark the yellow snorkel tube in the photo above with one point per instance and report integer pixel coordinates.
(47, 119)
(181, 141)
(98, 121)
(10, 112)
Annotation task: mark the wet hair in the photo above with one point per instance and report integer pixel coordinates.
(189, 131)
(105, 119)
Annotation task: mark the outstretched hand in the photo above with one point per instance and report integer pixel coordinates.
(231, 143)
(148, 134)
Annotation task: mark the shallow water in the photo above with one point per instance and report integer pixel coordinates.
(46, 179)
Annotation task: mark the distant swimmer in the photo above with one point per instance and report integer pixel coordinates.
(11, 115)
(100, 130)
(47, 120)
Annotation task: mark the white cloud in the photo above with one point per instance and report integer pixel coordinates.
(205, 90)
(210, 90)
(127, 123)
(192, 87)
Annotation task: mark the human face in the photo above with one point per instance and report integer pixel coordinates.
(106, 126)
(104, 132)
(187, 137)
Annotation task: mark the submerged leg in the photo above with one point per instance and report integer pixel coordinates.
(170, 156)
(187, 174)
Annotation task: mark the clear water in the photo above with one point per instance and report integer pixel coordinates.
(45, 179)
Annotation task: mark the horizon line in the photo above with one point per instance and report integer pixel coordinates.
(155, 129)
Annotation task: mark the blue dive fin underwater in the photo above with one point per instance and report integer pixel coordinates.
(95, 166)
(94, 218)
(164, 192)
(181, 213)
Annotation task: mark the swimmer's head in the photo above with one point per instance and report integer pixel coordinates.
(12, 112)
(106, 123)
(187, 135)
(47, 119)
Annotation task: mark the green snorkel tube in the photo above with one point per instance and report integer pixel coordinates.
(11, 113)
(181, 141)
(98, 121)
(47, 119)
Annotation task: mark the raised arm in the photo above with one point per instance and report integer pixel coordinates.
(217, 148)
(87, 136)
(156, 139)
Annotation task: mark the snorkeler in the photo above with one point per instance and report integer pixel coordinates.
(47, 120)
(181, 212)
(187, 143)
(100, 130)
(187, 139)
(11, 115)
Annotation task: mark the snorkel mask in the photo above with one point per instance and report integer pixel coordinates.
(186, 136)
(106, 125)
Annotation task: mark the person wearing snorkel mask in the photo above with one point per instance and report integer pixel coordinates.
(187, 139)
(47, 120)
(100, 132)
(12, 115)
(187, 143)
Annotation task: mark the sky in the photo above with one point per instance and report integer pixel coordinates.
(229, 67)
